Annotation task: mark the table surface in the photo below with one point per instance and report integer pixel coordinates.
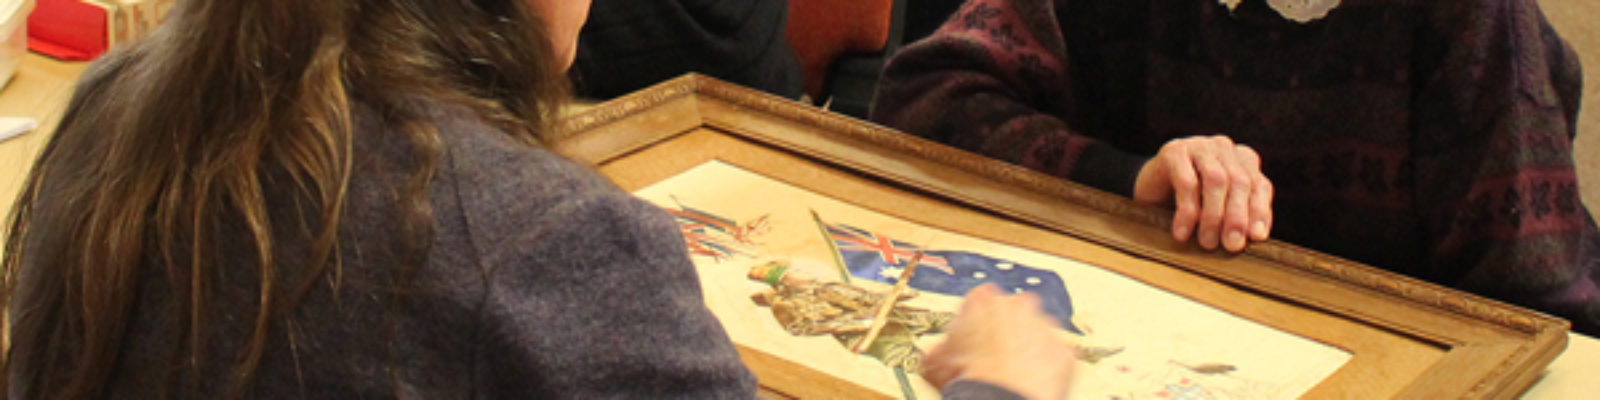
(43, 86)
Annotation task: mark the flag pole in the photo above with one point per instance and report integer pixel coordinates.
(838, 258)
(905, 384)
(881, 315)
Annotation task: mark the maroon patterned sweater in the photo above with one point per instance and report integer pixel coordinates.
(1432, 138)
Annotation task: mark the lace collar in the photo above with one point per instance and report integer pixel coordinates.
(1301, 11)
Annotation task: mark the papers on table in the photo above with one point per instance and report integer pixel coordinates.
(11, 127)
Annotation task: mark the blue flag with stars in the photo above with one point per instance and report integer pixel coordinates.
(879, 258)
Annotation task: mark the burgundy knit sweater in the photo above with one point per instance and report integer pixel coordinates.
(1432, 138)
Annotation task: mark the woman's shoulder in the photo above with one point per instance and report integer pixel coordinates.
(503, 184)
(478, 158)
(484, 160)
(510, 198)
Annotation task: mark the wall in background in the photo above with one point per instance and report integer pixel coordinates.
(1578, 21)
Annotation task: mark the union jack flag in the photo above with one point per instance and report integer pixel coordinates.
(710, 235)
(892, 252)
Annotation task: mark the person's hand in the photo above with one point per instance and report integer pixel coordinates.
(1216, 185)
(1006, 341)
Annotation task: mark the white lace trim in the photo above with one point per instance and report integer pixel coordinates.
(1301, 11)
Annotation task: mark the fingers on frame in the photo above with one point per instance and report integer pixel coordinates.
(1214, 177)
(1261, 194)
(1185, 192)
(1241, 180)
(1261, 205)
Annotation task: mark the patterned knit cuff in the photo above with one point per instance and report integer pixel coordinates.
(1107, 168)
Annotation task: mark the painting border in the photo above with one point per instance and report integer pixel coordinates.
(1492, 349)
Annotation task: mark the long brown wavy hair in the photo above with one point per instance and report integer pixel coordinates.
(178, 134)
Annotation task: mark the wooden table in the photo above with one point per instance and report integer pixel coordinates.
(43, 86)
(40, 89)
(1571, 376)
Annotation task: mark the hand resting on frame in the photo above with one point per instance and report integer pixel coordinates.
(1220, 195)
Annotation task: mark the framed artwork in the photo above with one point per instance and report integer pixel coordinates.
(800, 221)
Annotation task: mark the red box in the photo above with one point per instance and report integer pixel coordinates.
(69, 29)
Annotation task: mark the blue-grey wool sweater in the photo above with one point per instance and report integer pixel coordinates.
(542, 280)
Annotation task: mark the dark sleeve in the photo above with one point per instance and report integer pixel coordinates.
(1496, 182)
(595, 297)
(974, 390)
(628, 45)
(994, 80)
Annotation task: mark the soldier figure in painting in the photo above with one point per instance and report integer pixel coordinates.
(805, 306)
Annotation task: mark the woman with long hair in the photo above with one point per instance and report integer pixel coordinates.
(342, 199)
(347, 199)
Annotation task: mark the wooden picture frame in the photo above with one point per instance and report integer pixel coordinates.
(1408, 338)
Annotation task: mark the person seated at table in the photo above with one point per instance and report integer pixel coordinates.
(629, 45)
(1429, 138)
(347, 199)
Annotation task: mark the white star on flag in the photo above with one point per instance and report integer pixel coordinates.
(891, 272)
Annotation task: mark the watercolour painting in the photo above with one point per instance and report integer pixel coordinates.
(752, 237)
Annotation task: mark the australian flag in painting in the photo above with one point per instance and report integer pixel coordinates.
(879, 258)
